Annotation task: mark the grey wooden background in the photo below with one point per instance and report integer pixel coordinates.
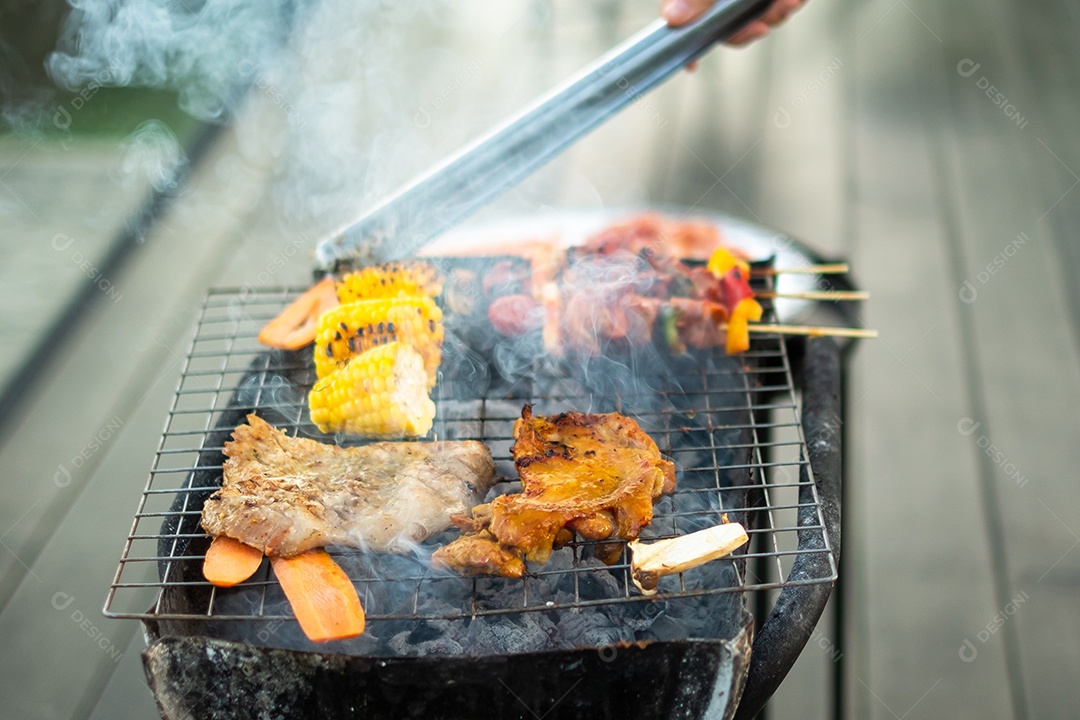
(932, 144)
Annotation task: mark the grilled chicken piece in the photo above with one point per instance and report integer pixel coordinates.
(596, 475)
(288, 495)
(479, 554)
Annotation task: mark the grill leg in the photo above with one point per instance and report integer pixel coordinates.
(799, 607)
(763, 565)
(839, 598)
(762, 600)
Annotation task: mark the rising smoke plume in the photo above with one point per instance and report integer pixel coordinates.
(191, 47)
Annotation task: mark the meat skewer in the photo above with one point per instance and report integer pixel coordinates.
(811, 331)
(830, 269)
(857, 295)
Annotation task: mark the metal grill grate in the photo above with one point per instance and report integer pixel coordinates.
(730, 425)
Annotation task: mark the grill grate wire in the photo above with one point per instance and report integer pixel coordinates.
(749, 416)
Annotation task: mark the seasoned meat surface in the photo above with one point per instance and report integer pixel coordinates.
(480, 554)
(288, 495)
(596, 475)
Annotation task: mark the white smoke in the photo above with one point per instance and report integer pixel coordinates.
(152, 155)
(344, 101)
(191, 47)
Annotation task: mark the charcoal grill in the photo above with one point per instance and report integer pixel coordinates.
(574, 634)
(573, 638)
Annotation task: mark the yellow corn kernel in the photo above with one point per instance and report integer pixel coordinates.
(351, 329)
(380, 393)
(390, 280)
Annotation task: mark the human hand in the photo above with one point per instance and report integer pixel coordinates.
(681, 12)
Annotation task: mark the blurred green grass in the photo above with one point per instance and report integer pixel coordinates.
(116, 112)
(30, 100)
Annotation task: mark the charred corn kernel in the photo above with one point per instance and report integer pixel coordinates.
(381, 393)
(722, 261)
(356, 327)
(738, 333)
(390, 280)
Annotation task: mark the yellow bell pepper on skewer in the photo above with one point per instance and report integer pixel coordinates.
(738, 332)
(722, 261)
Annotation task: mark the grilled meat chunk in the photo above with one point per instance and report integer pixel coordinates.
(479, 554)
(596, 475)
(288, 495)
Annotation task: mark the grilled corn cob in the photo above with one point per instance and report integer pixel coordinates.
(350, 329)
(380, 393)
(390, 280)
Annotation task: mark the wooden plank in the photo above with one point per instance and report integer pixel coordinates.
(119, 374)
(127, 695)
(62, 210)
(715, 145)
(59, 606)
(69, 441)
(907, 395)
(802, 191)
(1009, 260)
(919, 605)
(801, 177)
(1037, 40)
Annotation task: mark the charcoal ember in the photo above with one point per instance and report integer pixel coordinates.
(642, 377)
(483, 635)
(506, 634)
(458, 419)
(578, 629)
(597, 582)
(429, 637)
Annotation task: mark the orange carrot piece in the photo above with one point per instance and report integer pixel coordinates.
(296, 325)
(321, 595)
(230, 562)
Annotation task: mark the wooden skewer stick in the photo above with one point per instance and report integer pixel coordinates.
(819, 295)
(652, 561)
(836, 268)
(811, 331)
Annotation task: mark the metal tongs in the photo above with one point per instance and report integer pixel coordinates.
(407, 221)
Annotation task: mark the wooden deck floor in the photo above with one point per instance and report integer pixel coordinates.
(931, 144)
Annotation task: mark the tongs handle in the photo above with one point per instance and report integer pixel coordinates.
(404, 223)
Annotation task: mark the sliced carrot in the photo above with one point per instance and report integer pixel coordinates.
(295, 326)
(230, 562)
(321, 595)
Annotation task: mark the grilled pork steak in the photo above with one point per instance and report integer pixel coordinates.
(288, 495)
